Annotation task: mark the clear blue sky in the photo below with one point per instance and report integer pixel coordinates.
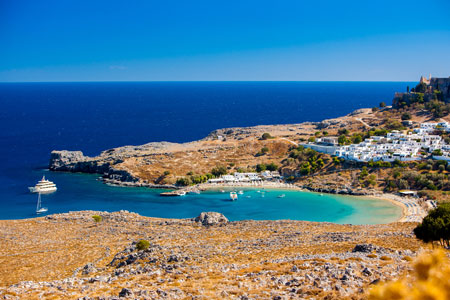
(62, 40)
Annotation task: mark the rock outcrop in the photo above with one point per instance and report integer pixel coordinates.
(75, 161)
(211, 218)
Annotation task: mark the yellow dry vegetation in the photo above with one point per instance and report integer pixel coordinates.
(430, 280)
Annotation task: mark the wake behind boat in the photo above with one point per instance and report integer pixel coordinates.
(44, 186)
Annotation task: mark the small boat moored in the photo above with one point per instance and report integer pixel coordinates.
(233, 196)
(281, 196)
(39, 208)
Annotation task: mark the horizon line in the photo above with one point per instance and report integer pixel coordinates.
(144, 81)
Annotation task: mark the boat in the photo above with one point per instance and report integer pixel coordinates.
(44, 186)
(222, 191)
(281, 196)
(39, 208)
(241, 192)
(233, 196)
(173, 194)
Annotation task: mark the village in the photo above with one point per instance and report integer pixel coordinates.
(411, 145)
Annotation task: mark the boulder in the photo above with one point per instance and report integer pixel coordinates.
(211, 218)
(125, 293)
(89, 268)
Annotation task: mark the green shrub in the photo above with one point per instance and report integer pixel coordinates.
(219, 171)
(272, 167)
(266, 136)
(435, 226)
(142, 245)
(184, 181)
(406, 116)
(261, 167)
(97, 218)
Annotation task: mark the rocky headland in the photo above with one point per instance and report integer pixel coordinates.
(160, 164)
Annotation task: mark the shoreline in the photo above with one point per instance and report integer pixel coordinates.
(411, 210)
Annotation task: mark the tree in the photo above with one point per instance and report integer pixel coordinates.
(219, 171)
(261, 167)
(312, 139)
(437, 152)
(375, 109)
(382, 104)
(421, 87)
(342, 140)
(356, 139)
(406, 116)
(435, 227)
(363, 173)
(272, 167)
(184, 181)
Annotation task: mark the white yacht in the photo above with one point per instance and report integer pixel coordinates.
(233, 196)
(44, 186)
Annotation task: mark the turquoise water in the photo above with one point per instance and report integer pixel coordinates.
(85, 192)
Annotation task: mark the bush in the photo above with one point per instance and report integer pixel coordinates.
(183, 181)
(263, 151)
(142, 245)
(97, 218)
(406, 116)
(375, 109)
(261, 167)
(382, 104)
(272, 167)
(166, 173)
(343, 131)
(266, 136)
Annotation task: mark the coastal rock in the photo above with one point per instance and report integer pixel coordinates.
(59, 160)
(211, 218)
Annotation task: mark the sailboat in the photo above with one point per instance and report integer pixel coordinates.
(39, 209)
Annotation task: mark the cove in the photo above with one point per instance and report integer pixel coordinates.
(84, 192)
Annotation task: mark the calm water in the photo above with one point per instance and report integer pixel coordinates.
(38, 117)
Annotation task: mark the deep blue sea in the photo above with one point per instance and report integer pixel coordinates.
(36, 118)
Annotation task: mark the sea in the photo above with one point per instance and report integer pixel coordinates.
(36, 118)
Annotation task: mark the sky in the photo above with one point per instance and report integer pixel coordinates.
(295, 40)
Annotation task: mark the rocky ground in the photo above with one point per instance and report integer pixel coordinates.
(69, 256)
